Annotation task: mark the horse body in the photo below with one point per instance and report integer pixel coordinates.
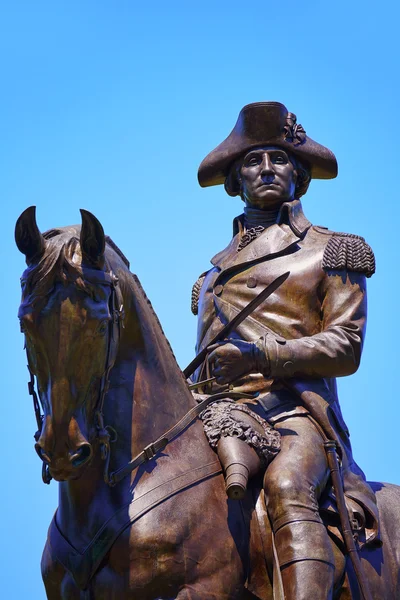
(170, 530)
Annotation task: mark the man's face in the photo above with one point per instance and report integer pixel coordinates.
(268, 178)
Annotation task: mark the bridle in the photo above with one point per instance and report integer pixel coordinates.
(105, 433)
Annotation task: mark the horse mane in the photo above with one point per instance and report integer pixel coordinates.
(114, 246)
(153, 314)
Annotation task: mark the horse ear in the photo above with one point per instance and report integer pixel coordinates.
(92, 238)
(27, 235)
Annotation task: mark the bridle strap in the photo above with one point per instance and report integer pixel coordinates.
(114, 333)
(36, 405)
(46, 477)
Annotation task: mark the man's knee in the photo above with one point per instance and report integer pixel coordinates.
(282, 486)
(290, 496)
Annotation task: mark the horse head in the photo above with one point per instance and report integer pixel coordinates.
(69, 316)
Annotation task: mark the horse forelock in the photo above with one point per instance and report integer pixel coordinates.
(61, 261)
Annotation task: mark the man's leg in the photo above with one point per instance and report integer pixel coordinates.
(293, 484)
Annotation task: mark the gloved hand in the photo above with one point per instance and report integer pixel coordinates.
(232, 359)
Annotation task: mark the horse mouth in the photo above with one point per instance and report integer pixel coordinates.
(60, 474)
(71, 466)
(67, 473)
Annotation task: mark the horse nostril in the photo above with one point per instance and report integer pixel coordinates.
(42, 454)
(82, 455)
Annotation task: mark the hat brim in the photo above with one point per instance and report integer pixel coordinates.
(215, 167)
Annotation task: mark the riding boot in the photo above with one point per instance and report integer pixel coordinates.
(306, 561)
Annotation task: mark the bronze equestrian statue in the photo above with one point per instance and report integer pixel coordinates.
(143, 512)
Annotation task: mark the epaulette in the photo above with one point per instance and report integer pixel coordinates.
(350, 252)
(196, 293)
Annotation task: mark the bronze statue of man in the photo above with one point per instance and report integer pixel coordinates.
(293, 346)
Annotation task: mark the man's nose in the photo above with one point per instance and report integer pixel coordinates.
(266, 165)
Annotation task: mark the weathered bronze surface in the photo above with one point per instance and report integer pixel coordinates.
(109, 386)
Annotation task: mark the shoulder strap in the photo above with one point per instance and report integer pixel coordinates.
(196, 293)
(350, 252)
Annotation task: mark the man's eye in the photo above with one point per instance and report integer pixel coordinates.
(280, 160)
(252, 162)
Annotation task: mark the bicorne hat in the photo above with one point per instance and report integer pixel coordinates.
(266, 124)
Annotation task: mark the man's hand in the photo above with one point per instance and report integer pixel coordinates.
(233, 359)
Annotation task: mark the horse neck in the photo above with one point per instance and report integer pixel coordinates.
(158, 393)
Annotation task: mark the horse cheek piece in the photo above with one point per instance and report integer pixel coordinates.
(65, 436)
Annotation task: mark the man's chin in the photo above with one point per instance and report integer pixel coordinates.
(269, 200)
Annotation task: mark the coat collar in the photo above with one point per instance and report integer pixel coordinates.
(290, 227)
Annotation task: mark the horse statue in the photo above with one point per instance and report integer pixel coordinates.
(143, 512)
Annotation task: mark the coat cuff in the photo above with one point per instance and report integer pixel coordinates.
(261, 357)
(279, 360)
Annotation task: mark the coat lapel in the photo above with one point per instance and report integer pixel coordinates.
(273, 241)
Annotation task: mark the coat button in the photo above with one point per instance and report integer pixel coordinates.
(218, 289)
(251, 282)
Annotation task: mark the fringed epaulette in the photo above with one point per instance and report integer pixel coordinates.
(350, 252)
(196, 293)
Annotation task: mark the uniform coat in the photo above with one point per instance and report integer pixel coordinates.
(313, 326)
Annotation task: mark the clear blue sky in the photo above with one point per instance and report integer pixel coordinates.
(111, 106)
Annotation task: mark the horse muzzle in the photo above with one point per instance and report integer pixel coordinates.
(67, 465)
(64, 449)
